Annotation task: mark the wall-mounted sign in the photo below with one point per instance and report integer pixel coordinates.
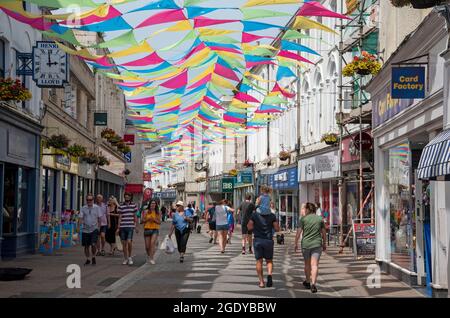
(63, 160)
(318, 168)
(285, 179)
(127, 156)
(364, 141)
(100, 119)
(408, 82)
(245, 177)
(228, 185)
(129, 139)
(50, 65)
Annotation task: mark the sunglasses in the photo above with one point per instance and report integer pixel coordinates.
(89, 200)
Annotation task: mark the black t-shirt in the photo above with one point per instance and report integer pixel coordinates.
(247, 209)
(263, 225)
(211, 212)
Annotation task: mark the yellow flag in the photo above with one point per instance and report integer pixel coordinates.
(171, 104)
(203, 74)
(198, 58)
(305, 24)
(220, 81)
(82, 53)
(239, 104)
(249, 47)
(254, 3)
(184, 25)
(142, 47)
(213, 32)
(257, 77)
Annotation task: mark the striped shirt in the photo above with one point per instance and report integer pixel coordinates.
(128, 213)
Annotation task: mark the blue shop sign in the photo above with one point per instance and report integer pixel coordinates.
(408, 82)
(170, 194)
(245, 177)
(285, 179)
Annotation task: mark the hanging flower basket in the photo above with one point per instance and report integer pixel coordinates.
(416, 4)
(248, 163)
(76, 150)
(108, 133)
(90, 158)
(365, 64)
(114, 140)
(58, 141)
(284, 155)
(13, 90)
(103, 161)
(233, 172)
(330, 139)
(200, 179)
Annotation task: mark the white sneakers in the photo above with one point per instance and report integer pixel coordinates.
(130, 261)
(125, 262)
(150, 261)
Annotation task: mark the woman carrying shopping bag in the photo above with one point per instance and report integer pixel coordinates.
(180, 224)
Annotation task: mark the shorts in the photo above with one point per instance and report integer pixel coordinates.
(263, 248)
(222, 227)
(126, 233)
(103, 228)
(89, 239)
(151, 232)
(312, 253)
(212, 226)
(245, 229)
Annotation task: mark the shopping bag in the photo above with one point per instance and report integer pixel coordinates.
(170, 247)
(119, 243)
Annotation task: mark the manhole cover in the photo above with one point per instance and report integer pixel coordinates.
(108, 281)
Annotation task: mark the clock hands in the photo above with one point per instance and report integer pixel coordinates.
(50, 63)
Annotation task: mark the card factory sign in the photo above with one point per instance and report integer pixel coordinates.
(320, 167)
(408, 82)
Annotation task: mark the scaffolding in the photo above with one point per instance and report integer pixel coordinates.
(359, 116)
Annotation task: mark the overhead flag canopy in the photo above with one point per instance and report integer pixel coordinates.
(178, 61)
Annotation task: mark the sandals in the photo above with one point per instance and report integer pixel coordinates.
(262, 285)
(181, 259)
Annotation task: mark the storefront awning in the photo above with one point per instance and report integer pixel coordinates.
(435, 160)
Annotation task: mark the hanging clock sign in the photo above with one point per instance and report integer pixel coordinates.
(50, 65)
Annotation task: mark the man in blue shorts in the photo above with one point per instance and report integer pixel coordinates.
(262, 223)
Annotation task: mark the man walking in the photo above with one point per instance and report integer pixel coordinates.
(246, 210)
(127, 224)
(103, 225)
(212, 223)
(262, 223)
(90, 218)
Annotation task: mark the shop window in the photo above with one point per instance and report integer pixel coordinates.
(16, 199)
(48, 191)
(2, 58)
(80, 195)
(402, 216)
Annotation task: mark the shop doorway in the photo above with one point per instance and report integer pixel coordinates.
(288, 211)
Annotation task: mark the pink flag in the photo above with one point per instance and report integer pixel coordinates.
(225, 72)
(285, 93)
(170, 110)
(252, 64)
(212, 103)
(200, 22)
(145, 100)
(104, 61)
(248, 37)
(203, 118)
(293, 56)
(148, 60)
(163, 17)
(177, 81)
(201, 82)
(243, 97)
(192, 107)
(112, 13)
(232, 119)
(315, 9)
(37, 23)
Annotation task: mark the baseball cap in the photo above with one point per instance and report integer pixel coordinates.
(180, 203)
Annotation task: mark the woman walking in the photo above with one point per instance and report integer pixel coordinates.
(313, 243)
(230, 218)
(221, 219)
(151, 218)
(180, 224)
(113, 221)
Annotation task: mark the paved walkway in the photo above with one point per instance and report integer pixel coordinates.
(205, 273)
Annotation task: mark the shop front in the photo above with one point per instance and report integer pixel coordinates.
(284, 184)
(244, 185)
(411, 227)
(318, 184)
(195, 194)
(167, 198)
(109, 184)
(221, 187)
(19, 183)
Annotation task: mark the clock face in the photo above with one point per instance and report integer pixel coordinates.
(50, 65)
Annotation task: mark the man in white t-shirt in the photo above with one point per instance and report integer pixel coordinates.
(90, 218)
(103, 225)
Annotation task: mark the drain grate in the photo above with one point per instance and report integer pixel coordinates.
(108, 281)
